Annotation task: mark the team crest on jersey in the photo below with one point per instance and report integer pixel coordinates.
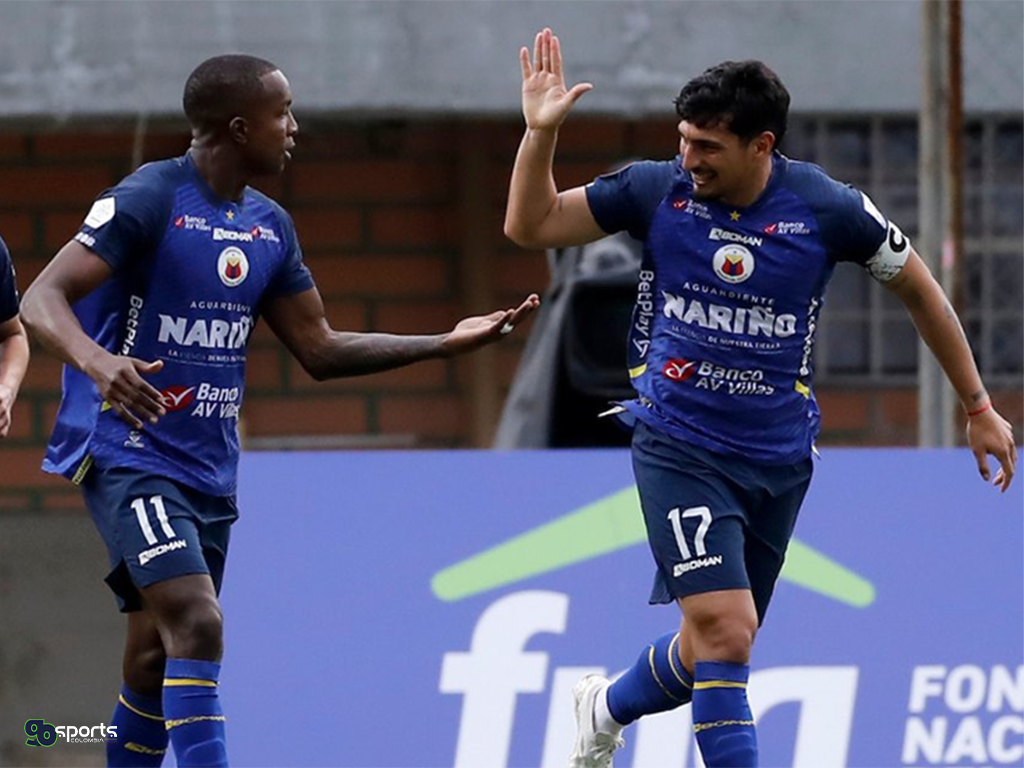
(733, 263)
(232, 266)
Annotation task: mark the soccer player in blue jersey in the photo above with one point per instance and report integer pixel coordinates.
(14, 351)
(739, 243)
(151, 306)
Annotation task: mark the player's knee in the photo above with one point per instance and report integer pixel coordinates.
(724, 637)
(199, 632)
(144, 669)
(151, 660)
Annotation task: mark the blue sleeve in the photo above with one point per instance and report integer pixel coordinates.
(627, 199)
(856, 230)
(293, 276)
(8, 285)
(130, 219)
(852, 228)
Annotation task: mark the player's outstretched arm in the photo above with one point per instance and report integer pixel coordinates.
(299, 321)
(988, 433)
(14, 356)
(46, 311)
(538, 216)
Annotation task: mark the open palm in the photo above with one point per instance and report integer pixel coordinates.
(475, 332)
(546, 100)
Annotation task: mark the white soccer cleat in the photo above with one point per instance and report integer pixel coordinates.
(594, 749)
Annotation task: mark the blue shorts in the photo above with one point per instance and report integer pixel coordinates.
(156, 529)
(713, 521)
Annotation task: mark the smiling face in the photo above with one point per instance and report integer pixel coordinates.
(270, 127)
(724, 167)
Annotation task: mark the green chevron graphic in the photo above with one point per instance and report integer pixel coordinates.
(607, 525)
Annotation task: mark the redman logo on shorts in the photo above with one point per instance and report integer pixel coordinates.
(232, 266)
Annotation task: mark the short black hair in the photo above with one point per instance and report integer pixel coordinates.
(745, 96)
(219, 88)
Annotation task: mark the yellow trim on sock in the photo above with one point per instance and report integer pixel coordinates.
(139, 712)
(673, 657)
(717, 684)
(174, 682)
(698, 727)
(654, 673)
(194, 719)
(131, 746)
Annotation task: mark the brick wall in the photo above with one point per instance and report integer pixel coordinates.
(401, 225)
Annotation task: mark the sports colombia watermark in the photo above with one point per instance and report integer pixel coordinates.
(40, 733)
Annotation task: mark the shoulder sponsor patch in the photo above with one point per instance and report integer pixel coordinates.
(101, 212)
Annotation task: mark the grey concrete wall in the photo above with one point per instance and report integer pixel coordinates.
(89, 58)
(60, 635)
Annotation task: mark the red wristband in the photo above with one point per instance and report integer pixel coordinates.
(985, 407)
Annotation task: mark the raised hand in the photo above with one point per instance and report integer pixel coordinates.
(475, 332)
(546, 101)
(119, 380)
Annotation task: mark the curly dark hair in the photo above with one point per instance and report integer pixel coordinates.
(744, 96)
(221, 87)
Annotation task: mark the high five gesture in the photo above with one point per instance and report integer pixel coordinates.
(537, 215)
(546, 101)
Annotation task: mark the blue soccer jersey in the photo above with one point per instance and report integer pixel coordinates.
(8, 285)
(728, 302)
(190, 274)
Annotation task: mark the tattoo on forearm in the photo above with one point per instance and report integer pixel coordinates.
(358, 354)
(951, 314)
(978, 396)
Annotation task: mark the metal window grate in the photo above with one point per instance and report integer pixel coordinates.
(865, 335)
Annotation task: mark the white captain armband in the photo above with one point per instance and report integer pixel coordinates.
(890, 257)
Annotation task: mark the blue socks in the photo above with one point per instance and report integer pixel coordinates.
(141, 735)
(721, 715)
(195, 720)
(656, 683)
